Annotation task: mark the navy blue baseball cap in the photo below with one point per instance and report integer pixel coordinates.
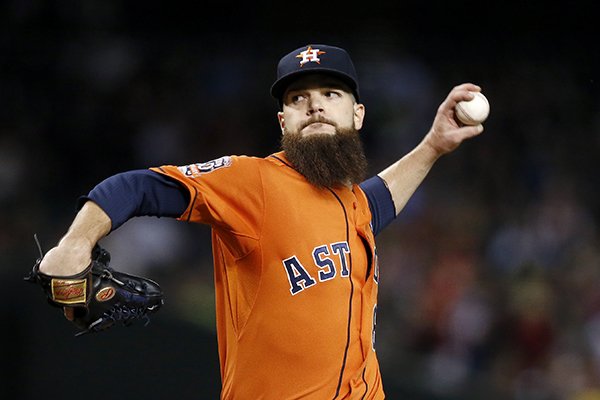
(315, 58)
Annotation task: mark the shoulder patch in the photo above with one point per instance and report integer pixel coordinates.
(195, 170)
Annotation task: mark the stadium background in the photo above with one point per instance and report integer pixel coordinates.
(490, 277)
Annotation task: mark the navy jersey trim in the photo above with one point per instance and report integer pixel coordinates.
(366, 383)
(349, 326)
(282, 161)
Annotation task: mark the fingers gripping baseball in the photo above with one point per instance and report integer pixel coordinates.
(447, 133)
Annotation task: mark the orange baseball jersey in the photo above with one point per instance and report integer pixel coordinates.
(296, 280)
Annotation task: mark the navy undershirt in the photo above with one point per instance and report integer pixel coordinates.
(147, 193)
(383, 210)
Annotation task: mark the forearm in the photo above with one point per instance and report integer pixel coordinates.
(73, 252)
(89, 226)
(405, 175)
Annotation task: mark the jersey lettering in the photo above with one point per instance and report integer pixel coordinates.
(297, 275)
(324, 263)
(341, 249)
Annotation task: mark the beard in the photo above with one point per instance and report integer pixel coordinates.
(324, 159)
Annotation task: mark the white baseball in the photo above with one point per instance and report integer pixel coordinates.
(474, 111)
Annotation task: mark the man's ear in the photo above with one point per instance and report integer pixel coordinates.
(281, 120)
(359, 115)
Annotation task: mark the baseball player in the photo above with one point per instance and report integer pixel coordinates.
(293, 234)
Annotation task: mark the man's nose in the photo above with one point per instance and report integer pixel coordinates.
(315, 104)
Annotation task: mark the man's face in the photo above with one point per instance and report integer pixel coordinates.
(318, 103)
(320, 122)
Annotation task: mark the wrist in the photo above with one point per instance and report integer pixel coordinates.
(429, 150)
(77, 243)
(70, 257)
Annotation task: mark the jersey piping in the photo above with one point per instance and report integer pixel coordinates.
(348, 333)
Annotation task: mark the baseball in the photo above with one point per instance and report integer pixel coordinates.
(474, 111)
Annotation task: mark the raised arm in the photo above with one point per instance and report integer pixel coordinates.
(405, 175)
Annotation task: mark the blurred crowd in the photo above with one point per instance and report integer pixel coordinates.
(490, 277)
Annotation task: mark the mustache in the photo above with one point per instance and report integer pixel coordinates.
(318, 118)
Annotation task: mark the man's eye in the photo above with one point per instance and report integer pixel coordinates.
(332, 94)
(297, 97)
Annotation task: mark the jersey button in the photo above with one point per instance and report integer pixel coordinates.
(354, 205)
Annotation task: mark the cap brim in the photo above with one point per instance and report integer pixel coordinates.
(279, 87)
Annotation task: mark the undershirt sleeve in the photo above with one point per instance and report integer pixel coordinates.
(138, 193)
(381, 203)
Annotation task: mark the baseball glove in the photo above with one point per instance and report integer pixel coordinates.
(99, 295)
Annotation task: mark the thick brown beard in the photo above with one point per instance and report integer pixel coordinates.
(327, 160)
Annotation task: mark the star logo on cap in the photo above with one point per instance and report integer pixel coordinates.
(310, 55)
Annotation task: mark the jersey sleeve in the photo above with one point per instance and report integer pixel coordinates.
(225, 193)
